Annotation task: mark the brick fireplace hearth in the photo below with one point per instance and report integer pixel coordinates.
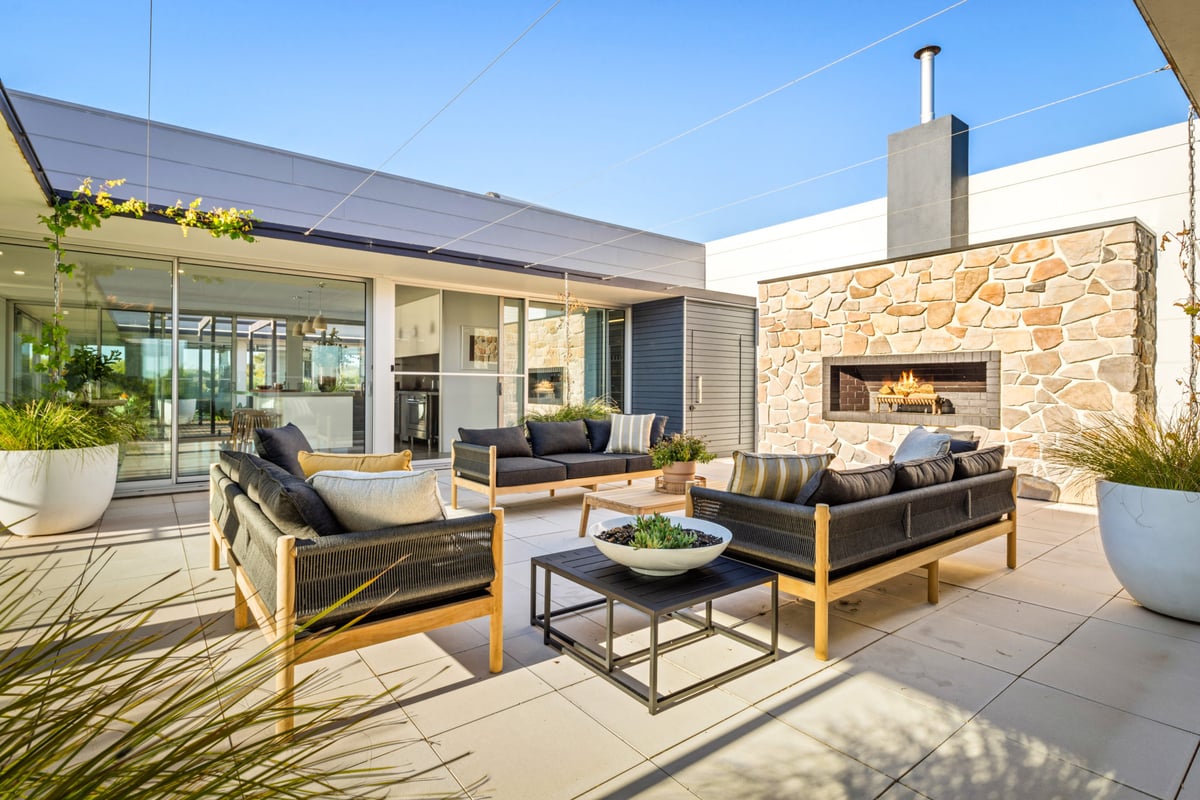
(1067, 320)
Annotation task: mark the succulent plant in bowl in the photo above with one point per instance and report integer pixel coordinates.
(657, 545)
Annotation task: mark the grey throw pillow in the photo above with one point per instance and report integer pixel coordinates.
(551, 438)
(981, 462)
(598, 431)
(508, 441)
(921, 443)
(833, 487)
(923, 472)
(282, 446)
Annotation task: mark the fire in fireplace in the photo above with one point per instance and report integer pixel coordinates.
(960, 388)
(907, 390)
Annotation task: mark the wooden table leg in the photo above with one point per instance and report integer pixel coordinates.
(583, 516)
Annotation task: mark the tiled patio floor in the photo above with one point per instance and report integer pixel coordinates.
(1044, 682)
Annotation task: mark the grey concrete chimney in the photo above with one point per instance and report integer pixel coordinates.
(927, 177)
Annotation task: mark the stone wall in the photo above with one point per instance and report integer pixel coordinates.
(1072, 315)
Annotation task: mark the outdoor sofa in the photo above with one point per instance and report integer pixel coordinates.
(844, 531)
(293, 559)
(546, 456)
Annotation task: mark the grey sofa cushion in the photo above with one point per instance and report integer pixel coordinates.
(921, 443)
(519, 470)
(590, 465)
(289, 502)
(658, 428)
(923, 472)
(508, 441)
(835, 488)
(231, 463)
(551, 438)
(980, 462)
(599, 431)
(635, 462)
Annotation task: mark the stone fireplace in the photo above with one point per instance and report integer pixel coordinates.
(1017, 340)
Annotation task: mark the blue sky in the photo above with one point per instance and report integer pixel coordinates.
(595, 83)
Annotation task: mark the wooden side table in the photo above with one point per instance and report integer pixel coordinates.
(638, 501)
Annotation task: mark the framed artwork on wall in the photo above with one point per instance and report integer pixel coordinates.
(481, 348)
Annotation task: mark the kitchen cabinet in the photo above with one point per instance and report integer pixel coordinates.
(419, 326)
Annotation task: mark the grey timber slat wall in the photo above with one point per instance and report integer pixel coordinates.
(656, 372)
(720, 363)
(695, 361)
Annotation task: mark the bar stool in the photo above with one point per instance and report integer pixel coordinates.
(242, 423)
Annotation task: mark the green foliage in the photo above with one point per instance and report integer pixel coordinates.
(657, 532)
(681, 447)
(53, 425)
(596, 408)
(1143, 451)
(112, 702)
(88, 364)
(86, 210)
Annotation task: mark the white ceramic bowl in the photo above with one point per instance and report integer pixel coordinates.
(661, 562)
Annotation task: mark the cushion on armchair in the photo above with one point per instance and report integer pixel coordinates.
(295, 508)
(282, 446)
(313, 463)
(774, 476)
(509, 442)
(552, 438)
(367, 501)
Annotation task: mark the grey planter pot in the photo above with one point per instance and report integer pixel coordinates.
(1152, 541)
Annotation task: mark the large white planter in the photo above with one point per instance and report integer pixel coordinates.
(1152, 541)
(59, 490)
(661, 562)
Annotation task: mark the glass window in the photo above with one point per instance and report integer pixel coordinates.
(290, 345)
(117, 304)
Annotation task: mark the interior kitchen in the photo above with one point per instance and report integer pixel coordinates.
(417, 367)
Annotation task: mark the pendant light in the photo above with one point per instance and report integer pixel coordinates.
(319, 320)
(308, 323)
(298, 328)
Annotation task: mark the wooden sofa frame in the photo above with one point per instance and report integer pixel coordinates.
(278, 625)
(824, 589)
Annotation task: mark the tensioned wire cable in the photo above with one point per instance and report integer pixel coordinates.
(626, 161)
(440, 111)
(821, 176)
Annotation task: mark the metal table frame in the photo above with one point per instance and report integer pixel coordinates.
(659, 598)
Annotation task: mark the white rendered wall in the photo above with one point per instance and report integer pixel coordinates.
(1143, 176)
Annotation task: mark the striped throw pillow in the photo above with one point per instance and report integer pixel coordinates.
(630, 433)
(776, 477)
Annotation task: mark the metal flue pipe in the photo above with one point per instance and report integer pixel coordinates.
(925, 56)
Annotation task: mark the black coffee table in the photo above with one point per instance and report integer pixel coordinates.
(658, 598)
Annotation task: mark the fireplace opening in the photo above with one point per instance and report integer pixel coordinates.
(936, 388)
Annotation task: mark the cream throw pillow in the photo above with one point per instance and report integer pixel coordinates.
(630, 433)
(366, 501)
(313, 463)
(777, 477)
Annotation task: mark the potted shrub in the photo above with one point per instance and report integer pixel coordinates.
(678, 454)
(58, 464)
(59, 461)
(1147, 475)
